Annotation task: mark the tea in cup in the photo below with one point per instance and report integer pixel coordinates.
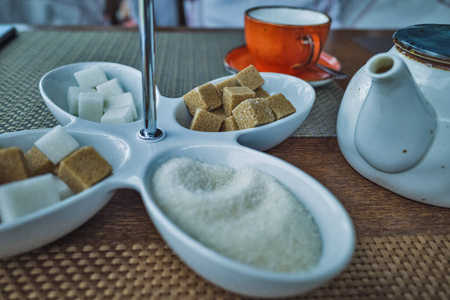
(285, 39)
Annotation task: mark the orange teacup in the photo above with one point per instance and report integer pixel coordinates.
(285, 39)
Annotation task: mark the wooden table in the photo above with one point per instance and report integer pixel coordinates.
(402, 251)
(375, 211)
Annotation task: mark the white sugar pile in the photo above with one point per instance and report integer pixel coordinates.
(244, 214)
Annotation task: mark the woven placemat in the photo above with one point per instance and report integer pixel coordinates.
(183, 61)
(402, 267)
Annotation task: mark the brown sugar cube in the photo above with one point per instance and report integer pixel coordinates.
(205, 121)
(233, 96)
(226, 83)
(83, 168)
(261, 93)
(253, 112)
(250, 78)
(38, 163)
(220, 113)
(280, 106)
(204, 97)
(12, 165)
(229, 124)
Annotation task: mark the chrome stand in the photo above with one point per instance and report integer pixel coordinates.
(147, 37)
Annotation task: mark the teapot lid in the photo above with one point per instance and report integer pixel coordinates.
(429, 41)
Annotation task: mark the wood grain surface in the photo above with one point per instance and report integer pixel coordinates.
(375, 211)
(401, 252)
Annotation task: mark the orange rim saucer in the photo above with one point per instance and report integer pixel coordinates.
(239, 58)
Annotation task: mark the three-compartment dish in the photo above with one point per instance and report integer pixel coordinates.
(135, 162)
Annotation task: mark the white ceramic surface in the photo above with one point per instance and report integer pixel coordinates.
(134, 161)
(395, 126)
(426, 181)
(172, 112)
(334, 224)
(54, 87)
(48, 224)
(289, 16)
(319, 83)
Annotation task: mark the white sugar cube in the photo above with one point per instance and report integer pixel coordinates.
(90, 106)
(72, 97)
(26, 196)
(56, 144)
(90, 77)
(125, 99)
(110, 88)
(120, 115)
(63, 190)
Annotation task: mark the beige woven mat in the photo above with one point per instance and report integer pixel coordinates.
(402, 267)
(183, 61)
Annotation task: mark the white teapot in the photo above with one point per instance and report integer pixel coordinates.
(393, 124)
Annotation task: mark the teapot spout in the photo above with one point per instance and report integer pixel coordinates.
(396, 123)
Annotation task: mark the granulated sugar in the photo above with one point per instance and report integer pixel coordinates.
(243, 214)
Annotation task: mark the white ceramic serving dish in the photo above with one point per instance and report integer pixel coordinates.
(334, 224)
(55, 84)
(134, 161)
(46, 225)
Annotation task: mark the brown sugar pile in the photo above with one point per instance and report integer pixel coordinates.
(38, 163)
(12, 165)
(83, 168)
(236, 103)
(79, 169)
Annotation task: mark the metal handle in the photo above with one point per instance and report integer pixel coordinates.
(147, 37)
(335, 73)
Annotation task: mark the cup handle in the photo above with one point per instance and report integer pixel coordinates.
(305, 40)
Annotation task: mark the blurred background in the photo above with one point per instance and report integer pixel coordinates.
(354, 14)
